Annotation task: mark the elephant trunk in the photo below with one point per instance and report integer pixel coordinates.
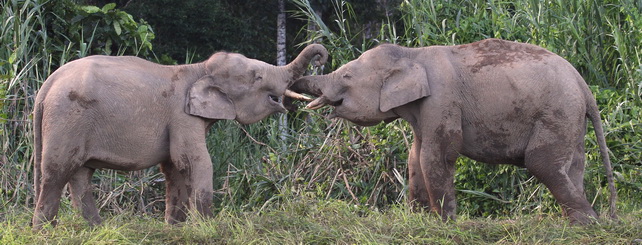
(298, 66)
(312, 85)
(314, 52)
(309, 85)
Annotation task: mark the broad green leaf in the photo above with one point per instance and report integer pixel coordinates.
(90, 9)
(117, 28)
(129, 18)
(108, 43)
(83, 49)
(142, 28)
(12, 58)
(108, 7)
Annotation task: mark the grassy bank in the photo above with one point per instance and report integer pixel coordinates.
(311, 221)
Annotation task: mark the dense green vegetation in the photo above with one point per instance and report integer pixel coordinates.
(261, 179)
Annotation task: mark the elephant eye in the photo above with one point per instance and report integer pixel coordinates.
(258, 78)
(347, 76)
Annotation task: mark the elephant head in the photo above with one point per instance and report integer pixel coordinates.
(366, 90)
(247, 90)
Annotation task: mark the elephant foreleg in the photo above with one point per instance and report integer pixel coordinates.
(192, 163)
(195, 182)
(440, 149)
(439, 174)
(177, 194)
(81, 195)
(417, 193)
(202, 194)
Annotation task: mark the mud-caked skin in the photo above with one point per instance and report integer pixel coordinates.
(127, 113)
(495, 101)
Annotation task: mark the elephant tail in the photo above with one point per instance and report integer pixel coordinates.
(594, 115)
(37, 136)
(37, 148)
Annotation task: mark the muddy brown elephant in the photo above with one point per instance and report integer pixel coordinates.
(494, 101)
(127, 113)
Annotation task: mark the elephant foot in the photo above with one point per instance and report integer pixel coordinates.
(94, 221)
(175, 215)
(582, 218)
(37, 224)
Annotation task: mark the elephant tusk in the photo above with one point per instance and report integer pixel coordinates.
(296, 96)
(318, 103)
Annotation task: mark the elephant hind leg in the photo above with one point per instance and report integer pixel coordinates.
(576, 171)
(52, 183)
(81, 195)
(556, 165)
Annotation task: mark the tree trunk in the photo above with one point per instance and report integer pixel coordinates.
(281, 61)
(280, 35)
(313, 27)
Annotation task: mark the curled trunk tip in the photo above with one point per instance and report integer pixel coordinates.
(313, 52)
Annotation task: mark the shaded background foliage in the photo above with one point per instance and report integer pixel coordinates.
(255, 167)
(199, 28)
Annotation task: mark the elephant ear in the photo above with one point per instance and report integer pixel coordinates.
(405, 83)
(205, 99)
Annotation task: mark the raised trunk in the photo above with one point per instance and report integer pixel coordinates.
(298, 66)
(314, 52)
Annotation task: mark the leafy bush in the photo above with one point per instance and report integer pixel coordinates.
(94, 30)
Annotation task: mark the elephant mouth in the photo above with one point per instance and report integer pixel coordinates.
(274, 98)
(277, 102)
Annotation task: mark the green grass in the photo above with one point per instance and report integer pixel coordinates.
(313, 221)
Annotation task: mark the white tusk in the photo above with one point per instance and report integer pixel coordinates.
(297, 96)
(316, 104)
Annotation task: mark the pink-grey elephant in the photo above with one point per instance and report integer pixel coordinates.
(494, 101)
(127, 113)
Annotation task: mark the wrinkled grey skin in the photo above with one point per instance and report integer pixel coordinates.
(494, 101)
(127, 113)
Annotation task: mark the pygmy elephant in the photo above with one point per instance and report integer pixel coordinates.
(127, 113)
(494, 101)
